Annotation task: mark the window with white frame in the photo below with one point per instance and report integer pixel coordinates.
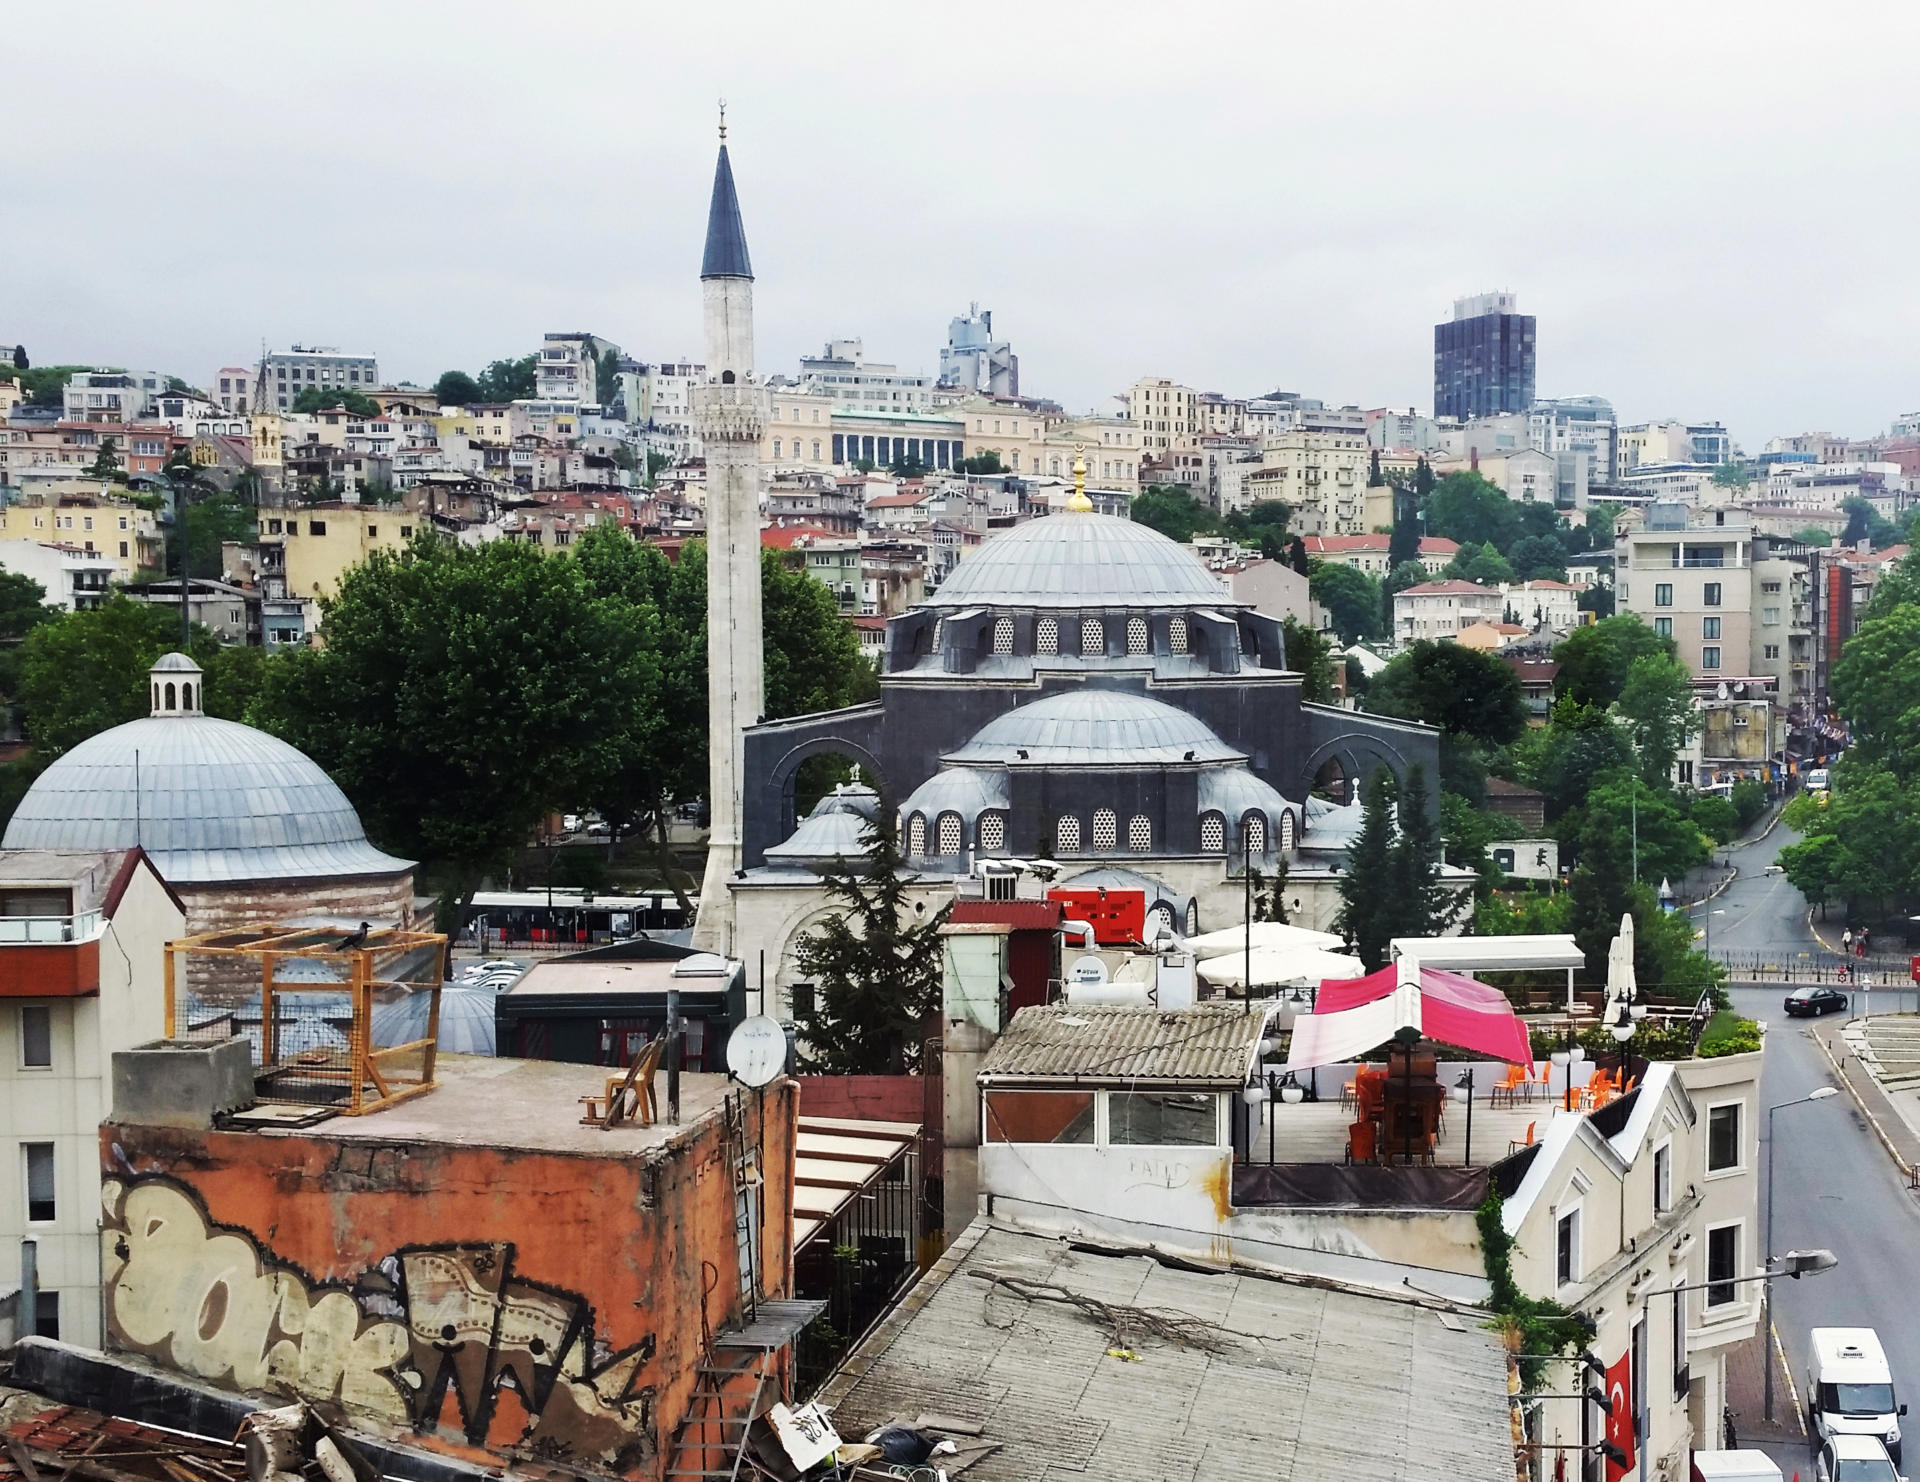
(917, 835)
(1723, 1263)
(1046, 636)
(1663, 1178)
(992, 831)
(1003, 636)
(950, 833)
(1093, 636)
(1139, 833)
(1566, 1258)
(1177, 635)
(1213, 834)
(38, 1157)
(1106, 829)
(1723, 1138)
(1066, 834)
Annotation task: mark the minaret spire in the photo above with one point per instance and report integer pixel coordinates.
(729, 414)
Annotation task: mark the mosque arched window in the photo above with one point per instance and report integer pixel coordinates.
(1066, 835)
(1106, 830)
(1213, 833)
(992, 832)
(1193, 918)
(1003, 635)
(1286, 831)
(186, 697)
(917, 836)
(156, 697)
(170, 693)
(950, 833)
(1253, 833)
(1046, 636)
(1093, 636)
(1136, 636)
(1177, 635)
(1140, 833)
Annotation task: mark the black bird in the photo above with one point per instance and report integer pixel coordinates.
(354, 941)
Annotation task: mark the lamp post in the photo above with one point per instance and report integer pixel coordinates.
(1463, 1092)
(1819, 1093)
(1706, 921)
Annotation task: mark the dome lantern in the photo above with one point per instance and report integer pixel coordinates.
(176, 683)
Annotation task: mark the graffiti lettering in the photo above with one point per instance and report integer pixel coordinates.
(214, 1302)
(1151, 1173)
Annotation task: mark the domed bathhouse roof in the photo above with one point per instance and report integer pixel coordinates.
(963, 790)
(1080, 560)
(209, 800)
(1093, 728)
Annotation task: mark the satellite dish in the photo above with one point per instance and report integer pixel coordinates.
(756, 1051)
(1087, 970)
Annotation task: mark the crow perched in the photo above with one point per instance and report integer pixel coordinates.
(355, 940)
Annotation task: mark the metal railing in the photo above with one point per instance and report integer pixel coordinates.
(50, 929)
(1879, 969)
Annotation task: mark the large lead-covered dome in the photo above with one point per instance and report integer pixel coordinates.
(1095, 728)
(1080, 560)
(210, 801)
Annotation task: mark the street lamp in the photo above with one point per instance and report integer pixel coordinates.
(1707, 923)
(1819, 1093)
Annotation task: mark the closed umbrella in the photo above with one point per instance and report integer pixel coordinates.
(1265, 934)
(1279, 967)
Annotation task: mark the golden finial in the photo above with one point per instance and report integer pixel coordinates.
(1079, 504)
(723, 120)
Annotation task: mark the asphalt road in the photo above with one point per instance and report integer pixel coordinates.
(1837, 1188)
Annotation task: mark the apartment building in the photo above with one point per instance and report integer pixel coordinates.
(1319, 462)
(286, 373)
(111, 396)
(81, 947)
(232, 387)
(1370, 553)
(125, 535)
(1389, 429)
(1578, 424)
(567, 368)
(1438, 610)
(75, 579)
(1166, 414)
(305, 552)
(1674, 442)
(843, 372)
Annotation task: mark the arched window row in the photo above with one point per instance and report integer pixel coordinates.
(1049, 631)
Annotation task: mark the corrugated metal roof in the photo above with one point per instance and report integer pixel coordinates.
(1306, 1384)
(1205, 1043)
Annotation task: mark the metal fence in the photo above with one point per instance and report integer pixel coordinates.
(1876, 969)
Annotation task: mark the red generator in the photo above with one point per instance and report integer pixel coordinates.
(1118, 917)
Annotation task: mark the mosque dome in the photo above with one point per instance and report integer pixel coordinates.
(1092, 728)
(1078, 561)
(210, 801)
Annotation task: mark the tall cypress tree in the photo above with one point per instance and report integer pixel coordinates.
(1424, 906)
(1369, 885)
(1600, 891)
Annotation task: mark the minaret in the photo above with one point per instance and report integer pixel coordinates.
(729, 412)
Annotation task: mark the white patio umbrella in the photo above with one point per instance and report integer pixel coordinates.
(1280, 967)
(1621, 983)
(1276, 935)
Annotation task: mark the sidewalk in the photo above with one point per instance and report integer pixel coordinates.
(1894, 1116)
(1746, 1399)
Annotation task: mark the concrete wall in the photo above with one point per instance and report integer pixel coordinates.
(484, 1302)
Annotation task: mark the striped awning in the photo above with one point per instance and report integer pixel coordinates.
(835, 1158)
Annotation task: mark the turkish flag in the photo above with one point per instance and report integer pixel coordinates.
(1620, 1414)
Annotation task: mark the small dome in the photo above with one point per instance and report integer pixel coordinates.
(968, 791)
(1079, 560)
(835, 829)
(174, 663)
(209, 800)
(1096, 728)
(1236, 792)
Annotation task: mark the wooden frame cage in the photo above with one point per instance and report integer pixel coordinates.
(303, 996)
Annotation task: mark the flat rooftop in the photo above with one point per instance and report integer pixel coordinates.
(518, 1106)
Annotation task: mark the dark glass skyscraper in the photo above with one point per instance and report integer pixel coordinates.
(1483, 359)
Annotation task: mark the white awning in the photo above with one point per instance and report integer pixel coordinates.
(1279, 967)
(1334, 1039)
(1490, 954)
(1264, 934)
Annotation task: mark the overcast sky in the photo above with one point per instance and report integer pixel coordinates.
(1710, 208)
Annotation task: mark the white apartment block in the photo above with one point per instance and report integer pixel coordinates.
(74, 579)
(1438, 610)
(289, 372)
(567, 368)
(111, 396)
(843, 372)
(232, 387)
(1166, 414)
(1388, 430)
(1674, 442)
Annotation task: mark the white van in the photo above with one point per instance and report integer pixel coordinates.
(1817, 779)
(1850, 1388)
(1736, 1466)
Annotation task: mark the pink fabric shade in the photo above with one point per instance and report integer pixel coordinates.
(1358, 1015)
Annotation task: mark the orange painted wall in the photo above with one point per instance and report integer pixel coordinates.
(631, 1236)
(50, 970)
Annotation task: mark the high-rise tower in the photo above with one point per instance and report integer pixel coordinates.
(729, 413)
(1483, 359)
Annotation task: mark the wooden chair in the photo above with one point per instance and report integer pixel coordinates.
(610, 1108)
(1514, 1147)
(1349, 1093)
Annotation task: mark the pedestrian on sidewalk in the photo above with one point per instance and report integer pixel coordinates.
(1846, 941)
(1860, 943)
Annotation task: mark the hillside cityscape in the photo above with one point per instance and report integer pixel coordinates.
(589, 915)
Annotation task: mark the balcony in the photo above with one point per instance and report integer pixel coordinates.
(50, 956)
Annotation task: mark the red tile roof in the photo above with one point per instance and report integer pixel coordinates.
(784, 537)
(1327, 545)
(1448, 588)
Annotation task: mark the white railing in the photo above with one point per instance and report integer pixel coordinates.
(39, 929)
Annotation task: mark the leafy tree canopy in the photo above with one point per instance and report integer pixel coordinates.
(321, 399)
(1482, 564)
(1876, 686)
(1460, 690)
(509, 380)
(1594, 659)
(1656, 705)
(1538, 558)
(1351, 598)
(456, 389)
(1175, 513)
(87, 671)
(1310, 655)
(1813, 535)
(1466, 507)
(987, 462)
(1864, 522)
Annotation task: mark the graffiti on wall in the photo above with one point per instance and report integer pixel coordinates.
(522, 1361)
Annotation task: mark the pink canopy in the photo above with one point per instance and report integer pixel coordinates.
(1354, 1016)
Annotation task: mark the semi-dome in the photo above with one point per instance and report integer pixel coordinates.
(210, 801)
(1080, 560)
(1092, 728)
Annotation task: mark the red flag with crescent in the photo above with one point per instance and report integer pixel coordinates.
(1620, 1414)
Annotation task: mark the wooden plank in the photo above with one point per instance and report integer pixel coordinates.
(859, 1127)
(822, 1173)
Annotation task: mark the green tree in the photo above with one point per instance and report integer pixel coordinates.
(319, 399)
(1465, 507)
(1403, 547)
(1815, 866)
(509, 380)
(1600, 892)
(1297, 556)
(1864, 522)
(1350, 597)
(462, 693)
(1368, 885)
(1481, 564)
(1813, 535)
(1175, 513)
(456, 388)
(875, 968)
(1423, 906)
(1656, 705)
(1310, 655)
(1715, 817)
(23, 606)
(813, 660)
(1596, 599)
(606, 377)
(1374, 480)
(1468, 831)
(20, 357)
(88, 670)
(1562, 759)
(1460, 690)
(234, 675)
(1595, 659)
(1749, 801)
(106, 462)
(1404, 574)
(1423, 480)
(1876, 687)
(655, 462)
(987, 462)
(1539, 558)
(1656, 833)
(1731, 476)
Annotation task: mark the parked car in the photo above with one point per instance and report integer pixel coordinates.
(1855, 1458)
(1812, 1002)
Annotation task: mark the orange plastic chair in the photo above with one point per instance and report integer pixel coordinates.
(1361, 1142)
(1514, 1147)
(1510, 1084)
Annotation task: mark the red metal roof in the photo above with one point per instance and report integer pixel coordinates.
(1020, 915)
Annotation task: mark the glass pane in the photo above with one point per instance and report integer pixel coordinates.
(36, 1036)
(1161, 1118)
(1039, 1116)
(1723, 1138)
